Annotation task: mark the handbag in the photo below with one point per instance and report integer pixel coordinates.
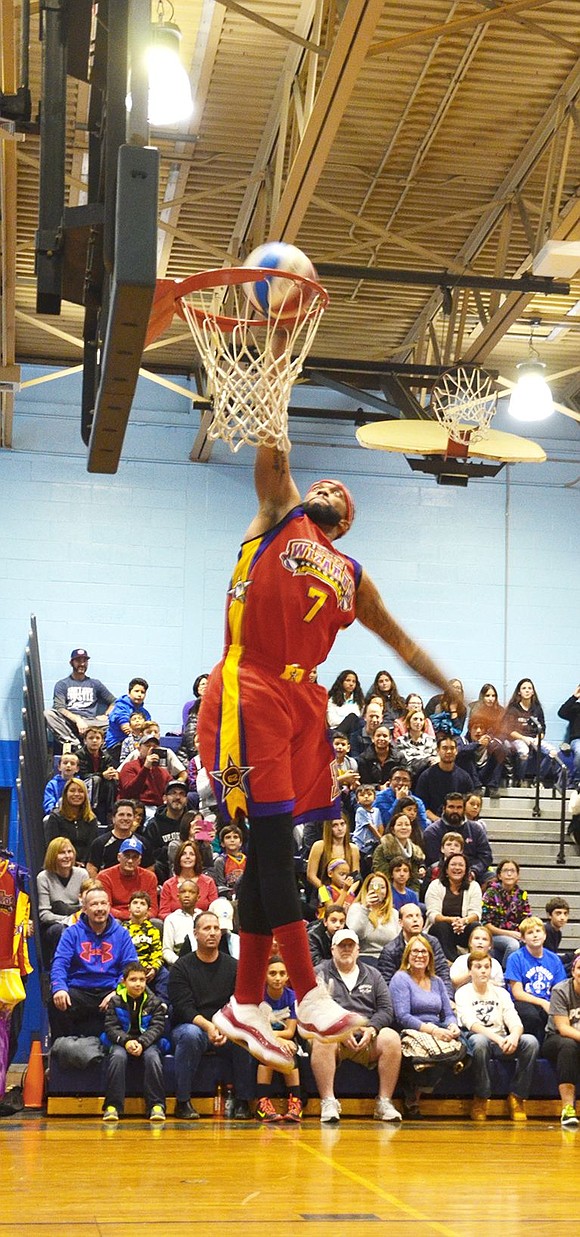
(423, 1050)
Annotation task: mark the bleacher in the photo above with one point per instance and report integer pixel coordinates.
(513, 831)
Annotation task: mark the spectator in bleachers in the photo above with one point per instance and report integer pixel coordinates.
(188, 863)
(359, 988)
(104, 851)
(411, 922)
(340, 887)
(472, 805)
(203, 832)
(68, 766)
(434, 784)
(229, 866)
(397, 790)
(495, 1031)
(569, 711)
(200, 983)
(376, 761)
(126, 877)
(384, 686)
(99, 774)
(448, 709)
(453, 905)
(134, 1025)
(346, 766)
(178, 925)
(368, 828)
(78, 701)
(143, 776)
(373, 917)
(175, 767)
(415, 747)
(475, 840)
(345, 701)
(165, 826)
(504, 907)
(562, 1043)
(558, 912)
(398, 843)
(335, 844)
(280, 1003)
(531, 973)
(74, 819)
(119, 718)
(487, 710)
(421, 1003)
(362, 734)
(189, 718)
(482, 757)
(412, 703)
(230, 940)
(524, 723)
(59, 888)
(87, 967)
(480, 941)
(451, 844)
(137, 727)
(399, 877)
(321, 932)
(146, 938)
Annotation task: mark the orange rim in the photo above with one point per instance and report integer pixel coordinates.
(229, 276)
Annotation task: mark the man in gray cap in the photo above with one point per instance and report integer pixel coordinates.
(359, 988)
(78, 702)
(128, 877)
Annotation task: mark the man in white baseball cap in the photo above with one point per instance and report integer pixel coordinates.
(359, 988)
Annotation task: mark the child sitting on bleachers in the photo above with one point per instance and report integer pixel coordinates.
(281, 1001)
(134, 1025)
(342, 887)
(136, 723)
(228, 867)
(368, 827)
(68, 767)
(399, 877)
(146, 938)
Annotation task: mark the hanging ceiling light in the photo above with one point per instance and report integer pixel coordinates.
(531, 398)
(169, 100)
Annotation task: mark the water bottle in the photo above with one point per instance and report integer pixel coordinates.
(218, 1102)
(230, 1103)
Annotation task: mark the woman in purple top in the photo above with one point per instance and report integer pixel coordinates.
(421, 1003)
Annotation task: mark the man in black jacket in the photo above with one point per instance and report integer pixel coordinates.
(199, 984)
(164, 827)
(321, 932)
(411, 920)
(476, 847)
(570, 712)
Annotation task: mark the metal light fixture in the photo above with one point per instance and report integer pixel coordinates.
(531, 399)
(169, 99)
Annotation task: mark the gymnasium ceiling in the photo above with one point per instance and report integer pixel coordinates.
(424, 134)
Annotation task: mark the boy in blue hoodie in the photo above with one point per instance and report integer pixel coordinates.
(134, 1025)
(119, 716)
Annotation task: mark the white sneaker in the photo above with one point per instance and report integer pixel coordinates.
(248, 1025)
(386, 1111)
(320, 1017)
(330, 1111)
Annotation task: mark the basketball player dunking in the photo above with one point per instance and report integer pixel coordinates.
(262, 729)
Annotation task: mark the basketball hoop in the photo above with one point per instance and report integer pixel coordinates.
(251, 363)
(464, 402)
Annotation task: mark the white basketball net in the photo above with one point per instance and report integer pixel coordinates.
(464, 402)
(249, 383)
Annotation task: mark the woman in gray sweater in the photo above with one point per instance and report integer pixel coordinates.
(59, 886)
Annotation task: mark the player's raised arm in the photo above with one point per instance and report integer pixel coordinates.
(372, 613)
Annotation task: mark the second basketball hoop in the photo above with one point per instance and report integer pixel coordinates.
(464, 402)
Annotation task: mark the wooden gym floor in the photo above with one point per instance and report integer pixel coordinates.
(74, 1177)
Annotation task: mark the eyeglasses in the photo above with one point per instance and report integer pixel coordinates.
(419, 953)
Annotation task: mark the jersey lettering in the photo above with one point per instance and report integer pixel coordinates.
(304, 557)
(319, 601)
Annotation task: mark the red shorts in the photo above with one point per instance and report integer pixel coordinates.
(264, 741)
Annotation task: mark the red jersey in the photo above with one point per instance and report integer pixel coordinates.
(262, 725)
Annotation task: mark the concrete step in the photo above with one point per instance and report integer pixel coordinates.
(540, 829)
(541, 854)
(516, 809)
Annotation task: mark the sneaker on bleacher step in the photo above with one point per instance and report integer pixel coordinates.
(329, 1111)
(157, 1114)
(385, 1110)
(110, 1114)
(266, 1111)
(568, 1119)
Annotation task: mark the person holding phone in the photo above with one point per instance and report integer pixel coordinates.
(144, 778)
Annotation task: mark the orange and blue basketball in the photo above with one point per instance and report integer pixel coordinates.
(286, 298)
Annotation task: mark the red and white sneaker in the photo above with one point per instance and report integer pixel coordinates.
(320, 1017)
(249, 1025)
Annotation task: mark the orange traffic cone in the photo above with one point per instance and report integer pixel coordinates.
(33, 1092)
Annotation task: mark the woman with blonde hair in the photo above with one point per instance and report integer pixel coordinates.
(373, 917)
(421, 1003)
(74, 820)
(59, 891)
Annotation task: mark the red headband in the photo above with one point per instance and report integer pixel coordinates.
(348, 498)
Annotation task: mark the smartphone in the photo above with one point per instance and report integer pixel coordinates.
(162, 753)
